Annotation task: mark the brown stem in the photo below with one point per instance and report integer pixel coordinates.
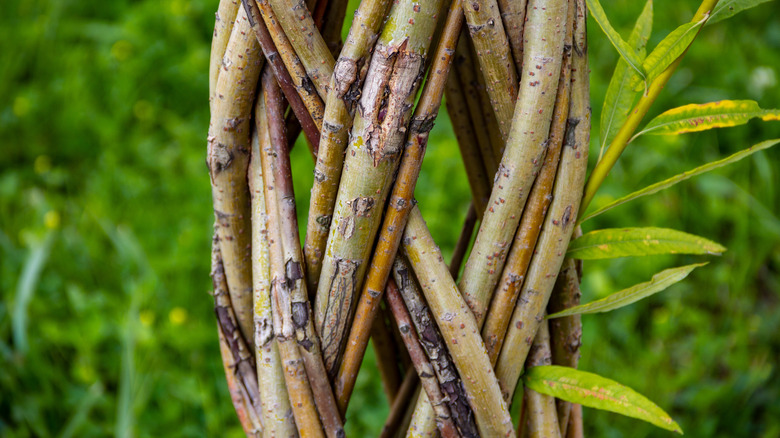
(280, 72)
(513, 16)
(541, 417)
(299, 324)
(238, 395)
(386, 357)
(575, 429)
(566, 332)
(420, 361)
(400, 404)
(463, 241)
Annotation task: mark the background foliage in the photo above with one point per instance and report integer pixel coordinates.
(106, 326)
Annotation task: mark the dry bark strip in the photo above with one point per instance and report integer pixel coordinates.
(399, 204)
(540, 414)
(277, 412)
(458, 328)
(559, 223)
(566, 332)
(228, 158)
(378, 132)
(508, 288)
(295, 308)
(241, 375)
(346, 83)
(435, 349)
(425, 370)
(526, 146)
(495, 58)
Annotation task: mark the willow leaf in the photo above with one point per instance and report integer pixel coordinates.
(659, 282)
(701, 117)
(627, 242)
(665, 184)
(620, 95)
(625, 50)
(728, 8)
(668, 50)
(594, 391)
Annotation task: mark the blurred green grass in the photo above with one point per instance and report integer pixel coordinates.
(106, 326)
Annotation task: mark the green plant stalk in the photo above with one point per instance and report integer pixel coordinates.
(399, 205)
(635, 117)
(513, 16)
(497, 141)
(228, 158)
(223, 27)
(422, 365)
(378, 133)
(558, 224)
(277, 413)
(297, 322)
(524, 154)
(540, 414)
(435, 349)
(292, 62)
(345, 83)
(566, 332)
(458, 328)
(242, 378)
(508, 289)
(307, 40)
(495, 58)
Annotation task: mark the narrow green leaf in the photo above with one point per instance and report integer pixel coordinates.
(620, 96)
(668, 50)
(659, 282)
(627, 242)
(657, 187)
(594, 391)
(701, 117)
(728, 8)
(625, 50)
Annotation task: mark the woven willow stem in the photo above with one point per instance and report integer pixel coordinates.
(228, 158)
(420, 362)
(566, 332)
(399, 204)
(524, 154)
(346, 83)
(497, 143)
(495, 59)
(558, 224)
(513, 16)
(236, 356)
(297, 320)
(435, 349)
(303, 85)
(458, 328)
(223, 27)
(382, 338)
(508, 289)
(575, 429)
(541, 417)
(378, 133)
(280, 71)
(462, 245)
(307, 40)
(333, 21)
(277, 414)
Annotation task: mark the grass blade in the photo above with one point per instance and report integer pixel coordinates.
(26, 288)
(620, 96)
(627, 242)
(665, 184)
(626, 51)
(701, 117)
(659, 282)
(598, 392)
